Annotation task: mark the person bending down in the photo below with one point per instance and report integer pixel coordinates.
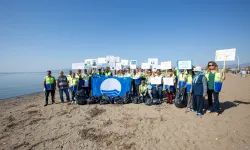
(143, 89)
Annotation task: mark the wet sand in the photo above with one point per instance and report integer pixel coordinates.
(27, 124)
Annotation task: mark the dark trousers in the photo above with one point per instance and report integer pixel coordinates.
(73, 94)
(157, 93)
(198, 103)
(216, 105)
(137, 87)
(47, 92)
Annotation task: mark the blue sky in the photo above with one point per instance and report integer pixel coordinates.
(36, 35)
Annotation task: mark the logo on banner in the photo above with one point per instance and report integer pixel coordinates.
(111, 87)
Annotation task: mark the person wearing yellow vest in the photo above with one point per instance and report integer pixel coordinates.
(69, 75)
(148, 81)
(136, 81)
(86, 78)
(182, 79)
(143, 89)
(49, 84)
(73, 83)
(157, 88)
(107, 72)
(190, 75)
(215, 77)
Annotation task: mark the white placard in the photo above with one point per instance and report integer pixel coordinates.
(112, 65)
(94, 63)
(166, 65)
(118, 66)
(184, 64)
(133, 64)
(101, 60)
(124, 62)
(159, 67)
(168, 81)
(88, 61)
(110, 59)
(153, 61)
(225, 55)
(156, 80)
(117, 59)
(78, 65)
(145, 66)
(154, 68)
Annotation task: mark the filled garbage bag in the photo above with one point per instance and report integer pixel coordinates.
(149, 101)
(93, 100)
(156, 101)
(117, 100)
(127, 98)
(181, 98)
(105, 100)
(81, 97)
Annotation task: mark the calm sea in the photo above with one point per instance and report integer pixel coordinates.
(17, 84)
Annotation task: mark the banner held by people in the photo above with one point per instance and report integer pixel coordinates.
(110, 86)
(166, 65)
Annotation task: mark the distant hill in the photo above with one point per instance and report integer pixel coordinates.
(244, 65)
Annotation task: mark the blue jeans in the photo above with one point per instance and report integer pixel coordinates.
(157, 92)
(198, 103)
(65, 90)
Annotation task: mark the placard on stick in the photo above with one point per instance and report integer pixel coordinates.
(225, 55)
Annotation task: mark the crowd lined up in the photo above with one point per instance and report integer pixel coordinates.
(198, 84)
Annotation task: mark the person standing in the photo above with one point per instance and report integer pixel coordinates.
(189, 89)
(157, 89)
(107, 72)
(137, 81)
(215, 77)
(148, 81)
(49, 84)
(199, 90)
(86, 77)
(63, 86)
(182, 79)
(170, 88)
(73, 87)
(69, 75)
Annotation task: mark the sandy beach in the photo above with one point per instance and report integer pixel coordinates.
(27, 124)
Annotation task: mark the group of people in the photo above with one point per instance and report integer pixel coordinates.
(198, 84)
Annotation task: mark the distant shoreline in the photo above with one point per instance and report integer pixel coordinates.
(20, 96)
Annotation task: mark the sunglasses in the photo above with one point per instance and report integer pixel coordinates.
(210, 65)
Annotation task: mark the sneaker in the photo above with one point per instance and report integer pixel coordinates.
(46, 105)
(73, 102)
(199, 114)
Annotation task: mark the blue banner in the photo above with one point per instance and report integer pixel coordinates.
(111, 86)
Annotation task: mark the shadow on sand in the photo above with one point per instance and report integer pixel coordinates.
(227, 105)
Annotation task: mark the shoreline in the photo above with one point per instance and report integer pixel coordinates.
(20, 96)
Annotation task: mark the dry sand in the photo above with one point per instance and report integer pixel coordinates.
(27, 124)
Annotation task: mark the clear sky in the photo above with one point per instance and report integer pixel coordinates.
(36, 35)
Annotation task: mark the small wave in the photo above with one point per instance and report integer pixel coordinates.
(111, 93)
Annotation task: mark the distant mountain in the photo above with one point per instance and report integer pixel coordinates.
(244, 65)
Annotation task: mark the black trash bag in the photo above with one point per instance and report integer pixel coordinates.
(141, 99)
(149, 102)
(181, 98)
(157, 101)
(81, 97)
(105, 100)
(117, 100)
(135, 100)
(93, 100)
(127, 98)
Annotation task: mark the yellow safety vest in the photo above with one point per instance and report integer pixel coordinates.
(189, 79)
(181, 77)
(143, 88)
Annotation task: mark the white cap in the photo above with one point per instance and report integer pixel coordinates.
(197, 69)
